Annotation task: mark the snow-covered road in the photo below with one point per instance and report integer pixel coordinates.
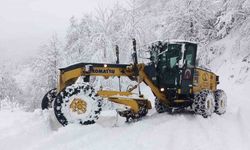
(40, 131)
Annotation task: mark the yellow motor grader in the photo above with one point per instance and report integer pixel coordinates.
(172, 75)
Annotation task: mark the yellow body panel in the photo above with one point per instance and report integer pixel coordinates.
(206, 80)
(68, 77)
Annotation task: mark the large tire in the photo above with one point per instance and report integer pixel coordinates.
(84, 94)
(48, 99)
(204, 103)
(161, 107)
(220, 101)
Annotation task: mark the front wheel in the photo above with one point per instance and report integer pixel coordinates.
(77, 103)
(220, 102)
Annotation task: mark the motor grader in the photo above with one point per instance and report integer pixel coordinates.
(172, 74)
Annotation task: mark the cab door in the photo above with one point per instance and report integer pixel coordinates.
(168, 71)
(172, 74)
(188, 68)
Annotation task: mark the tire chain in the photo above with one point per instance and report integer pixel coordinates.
(70, 91)
(218, 94)
(48, 99)
(199, 103)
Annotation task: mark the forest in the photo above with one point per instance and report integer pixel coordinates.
(220, 27)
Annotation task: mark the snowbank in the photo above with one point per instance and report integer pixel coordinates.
(39, 130)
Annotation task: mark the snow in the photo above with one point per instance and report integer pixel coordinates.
(39, 130)
(222, 48)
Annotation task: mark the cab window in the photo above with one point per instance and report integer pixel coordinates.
(173, 61)
(189, 59)
(190, 54)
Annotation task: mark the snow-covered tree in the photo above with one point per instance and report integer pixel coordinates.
(45, 68)
(92, 38)
(9, 90)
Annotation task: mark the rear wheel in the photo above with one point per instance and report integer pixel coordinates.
(77, 103)
(204, 103)
(48, 99)
(220, 101)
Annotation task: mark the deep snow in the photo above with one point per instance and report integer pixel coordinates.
(40, 131)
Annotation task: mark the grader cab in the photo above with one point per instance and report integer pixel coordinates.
(172, 75)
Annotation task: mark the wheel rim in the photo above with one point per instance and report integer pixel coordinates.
(78, 105)
(222, 105)
(208, 104)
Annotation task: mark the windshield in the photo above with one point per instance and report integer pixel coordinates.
(173, 55)
(173, 61)
(170, 57)
(190, 54)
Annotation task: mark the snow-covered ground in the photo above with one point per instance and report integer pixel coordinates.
(40, 131)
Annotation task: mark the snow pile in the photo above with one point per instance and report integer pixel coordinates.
(19, 129)
(40, 130)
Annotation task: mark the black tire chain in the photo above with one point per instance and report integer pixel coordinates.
(70, 91)
(199, 103)
(48, 99)
(217, 94)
